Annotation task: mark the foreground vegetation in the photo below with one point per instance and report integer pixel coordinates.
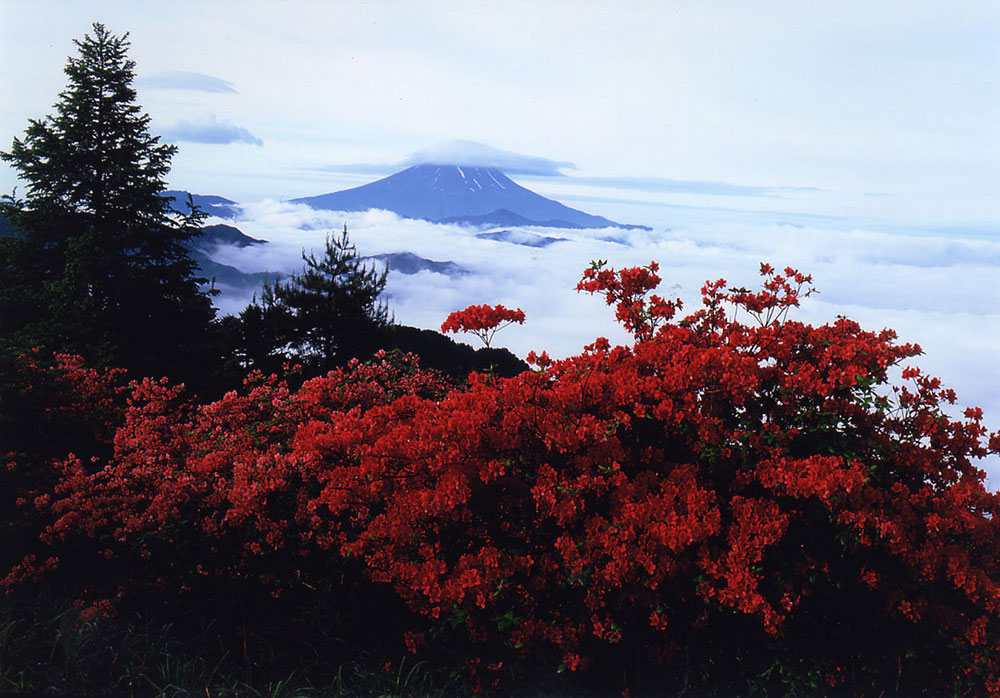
(735, 503)
(722, 506)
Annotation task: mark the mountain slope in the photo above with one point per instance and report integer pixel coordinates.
(463, 195)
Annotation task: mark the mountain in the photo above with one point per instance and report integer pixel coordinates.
(228, 278)
(506, 218)
(224, 276)
(474, 196)
(409, 263)
(212, 205)
(215, 235)
(520, 237)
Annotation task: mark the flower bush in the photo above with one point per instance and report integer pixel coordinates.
(484, 321)
(740, 505)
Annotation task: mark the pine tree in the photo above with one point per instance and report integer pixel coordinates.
(98, 265)
(328, 314)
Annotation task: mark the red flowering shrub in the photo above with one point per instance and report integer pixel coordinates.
(738, 505)
(208, 491)
(56, 402)
(482, 320)
(49, 406)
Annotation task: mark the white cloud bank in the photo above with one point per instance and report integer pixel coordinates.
(208, 129)
(939, 292)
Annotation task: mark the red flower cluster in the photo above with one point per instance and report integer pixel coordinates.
(720, 499)
(627, 291)
(482, 320)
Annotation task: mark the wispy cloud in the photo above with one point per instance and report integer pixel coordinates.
(465, 154)
(185, 80)
(209, 130)
(682, 186)
(472, 154)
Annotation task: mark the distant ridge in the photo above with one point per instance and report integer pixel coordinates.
(409, 263)
(224, 276)
(219, 234)
(505, 218)
(520, 237)
(212, 205)
(472, 196)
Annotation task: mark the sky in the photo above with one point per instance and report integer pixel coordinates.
(859, 142)
(890, 107)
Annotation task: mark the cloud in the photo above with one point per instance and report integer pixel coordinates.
(209, 130)
(185, 80)
(682, 186)
(472, 154)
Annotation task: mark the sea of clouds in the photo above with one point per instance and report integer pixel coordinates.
(935, 289)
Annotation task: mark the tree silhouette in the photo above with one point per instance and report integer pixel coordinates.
(97, 263)
(322, 317)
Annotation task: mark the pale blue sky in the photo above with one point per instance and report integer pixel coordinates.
(895, 99)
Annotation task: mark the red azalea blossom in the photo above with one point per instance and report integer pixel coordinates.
(484, 321)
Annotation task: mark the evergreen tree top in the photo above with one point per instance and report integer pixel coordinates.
(95, 155)
(103, 65)
(328, 313)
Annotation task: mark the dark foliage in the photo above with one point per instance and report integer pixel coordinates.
(456, 359)
(322, 317)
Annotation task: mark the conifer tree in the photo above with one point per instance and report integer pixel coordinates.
(97, 265)
(326, 315)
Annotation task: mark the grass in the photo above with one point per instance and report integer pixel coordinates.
(45, 651)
